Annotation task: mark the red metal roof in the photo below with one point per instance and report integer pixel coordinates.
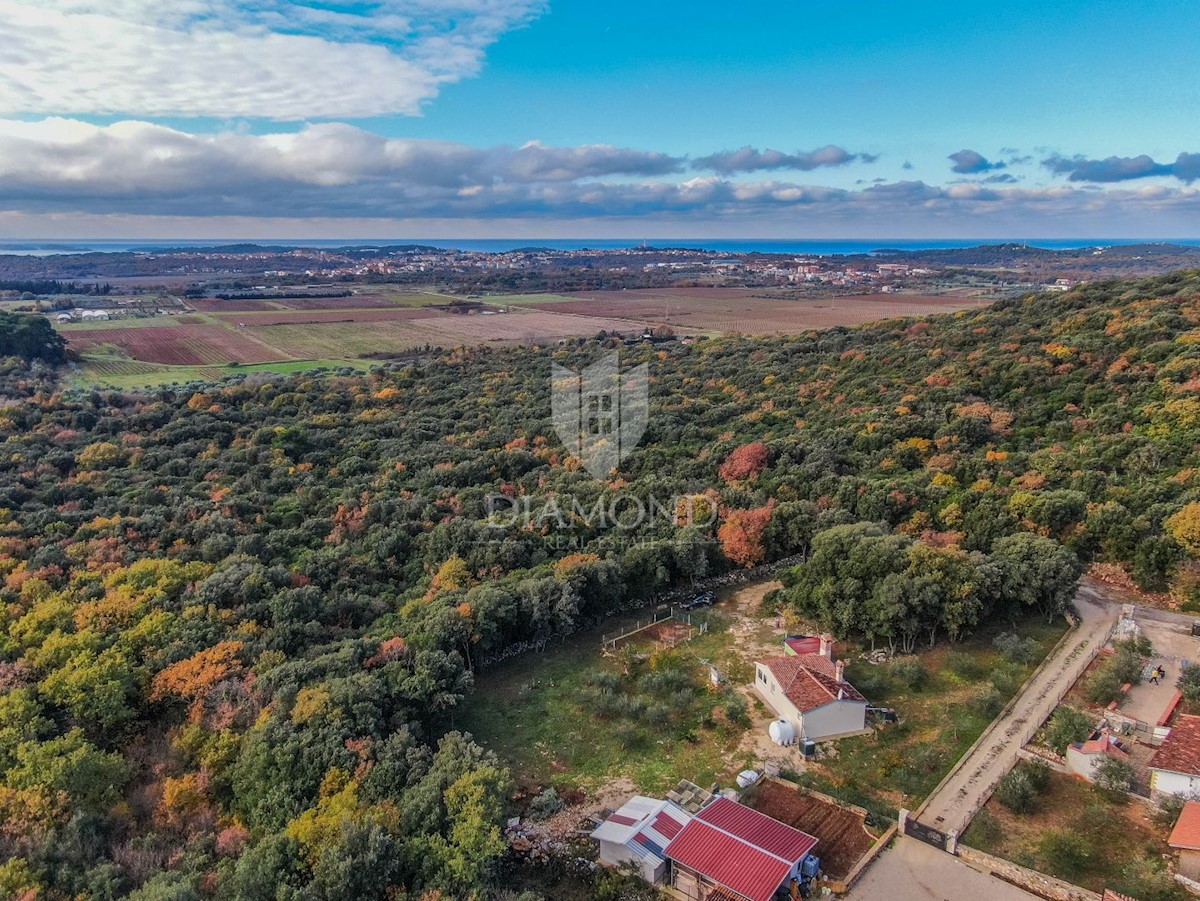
(741, 849)
(620, 818)
(804, 644)
(666, 824)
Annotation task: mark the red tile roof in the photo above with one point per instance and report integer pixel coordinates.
(809, 680)
(739, 848)
(1186, 833)
(1180, 751)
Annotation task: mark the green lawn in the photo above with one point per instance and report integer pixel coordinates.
(539, 714)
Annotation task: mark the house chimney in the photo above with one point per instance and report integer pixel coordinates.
(826, 645)
(840, 672)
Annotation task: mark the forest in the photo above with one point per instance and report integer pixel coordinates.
(236, 619)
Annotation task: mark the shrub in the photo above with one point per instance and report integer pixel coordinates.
(1189, 683)
(737, 710)
(1067, 725)
(985, 832)
(1065, 854)
(909, 673)
(1014, 648)
(1016, 791)
(990, 702)
(546, 805)
(872, 681)
(963, 664)
(1114, 776)
(1005, 678)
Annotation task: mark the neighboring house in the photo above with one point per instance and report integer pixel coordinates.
(810, 691)
(1083, 758)
(1175, 766)
(637, 834)
(1185, 840)
(730, 851)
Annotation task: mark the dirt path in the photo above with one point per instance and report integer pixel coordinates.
(955, 802)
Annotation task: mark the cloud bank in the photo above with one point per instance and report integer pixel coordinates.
(750, 159)
(61, 169)
(275, 59)
(1123, 168)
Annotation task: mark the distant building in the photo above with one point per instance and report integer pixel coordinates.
(1185, 840)
(730, 852)
(1084, 758)
(637, 834)
(1175, 766)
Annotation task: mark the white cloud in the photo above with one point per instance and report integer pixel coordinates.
(331, 172)
(276, 59)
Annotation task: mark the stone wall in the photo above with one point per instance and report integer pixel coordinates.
(1032, 881)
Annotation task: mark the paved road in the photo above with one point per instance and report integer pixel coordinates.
(912, 871)
(952, 806)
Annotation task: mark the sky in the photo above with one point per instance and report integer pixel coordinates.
(598, 118)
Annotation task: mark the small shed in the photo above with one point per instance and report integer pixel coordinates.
(638, 832)
(1084, 758)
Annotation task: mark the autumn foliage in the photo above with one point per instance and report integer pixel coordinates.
(747, 462)
(742, 534)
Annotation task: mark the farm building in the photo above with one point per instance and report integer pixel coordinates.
(1185, 840)
(1175, 766)
(810, 692)
(1083, 758)
(730, 851)
(638, 833)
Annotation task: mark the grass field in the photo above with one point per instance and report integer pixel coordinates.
(536, 714)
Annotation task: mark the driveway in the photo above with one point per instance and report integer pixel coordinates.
(953, 805)
(912, 871)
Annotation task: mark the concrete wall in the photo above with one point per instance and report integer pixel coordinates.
(615, 855)
(835, 718)
(1189, 864)
(1167, 783)
(1032, 881)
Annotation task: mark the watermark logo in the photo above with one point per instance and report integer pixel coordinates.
(600, 413)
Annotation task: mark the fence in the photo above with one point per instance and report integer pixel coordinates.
(608, 645)
(736, 577)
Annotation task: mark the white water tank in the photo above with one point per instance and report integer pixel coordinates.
(782, 732)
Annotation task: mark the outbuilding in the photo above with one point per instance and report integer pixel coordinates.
(1175, 766)
(733, 852)
(810, 691)
(1185, 840)
(638, 832)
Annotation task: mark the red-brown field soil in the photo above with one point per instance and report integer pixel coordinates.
(744, 310)
(842, 837)
(178, 345)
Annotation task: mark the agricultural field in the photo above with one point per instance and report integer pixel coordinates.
(751, 311)
(380, 324)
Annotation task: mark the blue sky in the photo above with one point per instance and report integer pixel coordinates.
(444, 118)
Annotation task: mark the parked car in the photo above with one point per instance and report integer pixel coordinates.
(704, 599)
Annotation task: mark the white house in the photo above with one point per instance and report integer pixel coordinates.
(1084, 758)
(810, 691)
(637, 834)
(1175, 766)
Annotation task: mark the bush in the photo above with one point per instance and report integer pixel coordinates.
(1014, 648)
(990, 702)
(1005, 678)
(985, 832)
(909, 673)
(546, 805)
(1017, 791)
(737, 710)
(1067, 726)
(1114, 776)
(1189, 683)
(1065, 854)
(963, 664)
(1168, 811)
(872, 681)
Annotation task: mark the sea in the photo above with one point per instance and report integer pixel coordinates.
(799, 246)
